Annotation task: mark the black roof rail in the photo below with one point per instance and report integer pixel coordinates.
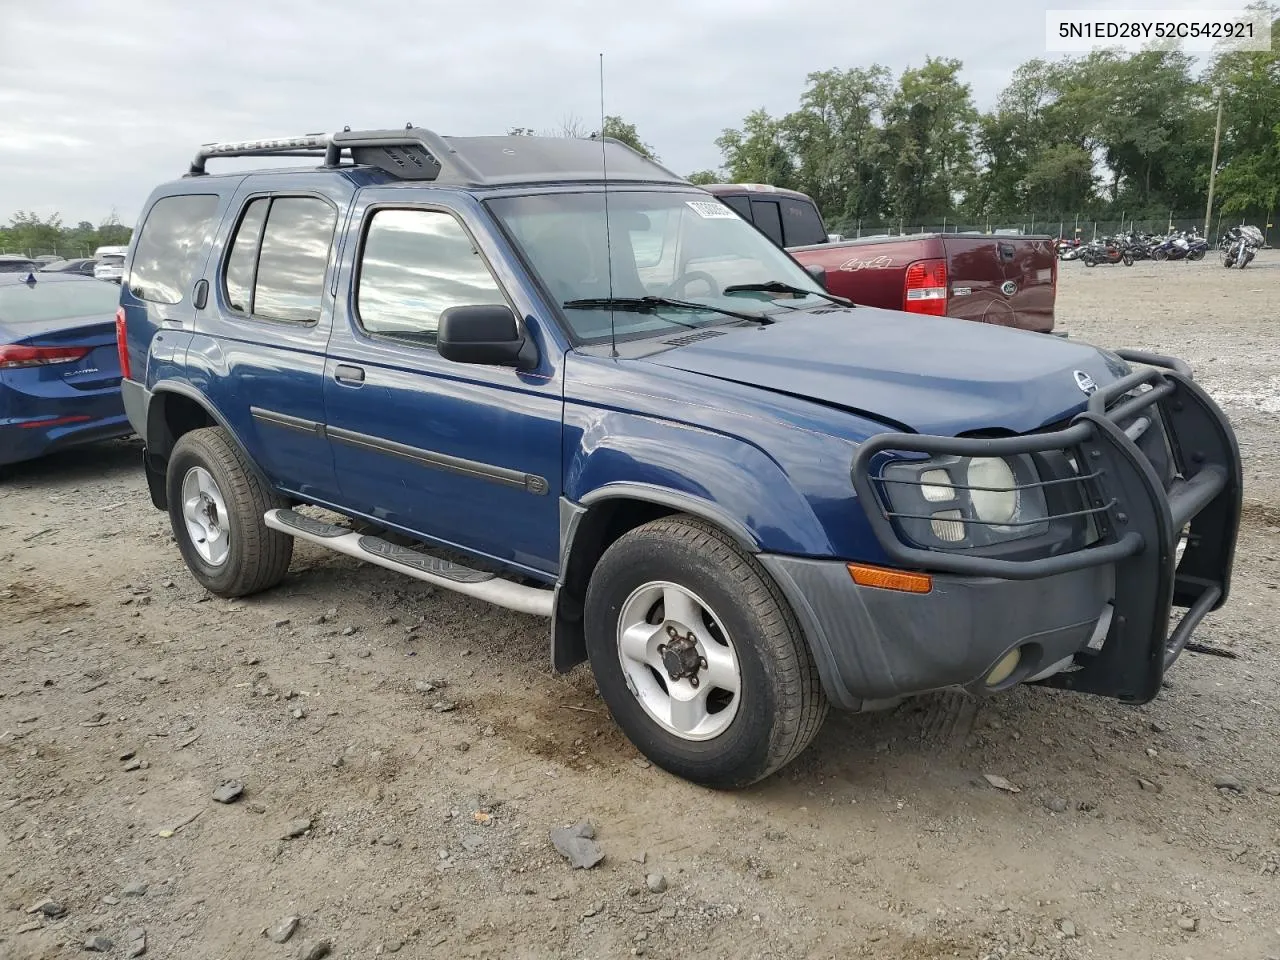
(415, 153)
(409, 154)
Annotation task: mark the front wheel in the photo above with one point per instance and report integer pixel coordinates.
(1160, 255)
(697, 655)
(1127, 259)
(1089, 261)
(216, 507)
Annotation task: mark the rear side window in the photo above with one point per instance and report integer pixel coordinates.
(278, 258)
(766, 217)
(801, 224)
(414, 266)
(171, 241)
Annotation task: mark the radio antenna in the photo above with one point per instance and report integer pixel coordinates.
(608, 241)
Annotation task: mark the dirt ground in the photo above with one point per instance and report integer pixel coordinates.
(421, 749)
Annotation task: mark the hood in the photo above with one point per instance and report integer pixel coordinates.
(929, 374)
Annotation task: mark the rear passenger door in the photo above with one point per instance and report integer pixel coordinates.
(261, 341)
(464, 454)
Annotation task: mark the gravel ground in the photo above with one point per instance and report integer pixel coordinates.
(404, 753)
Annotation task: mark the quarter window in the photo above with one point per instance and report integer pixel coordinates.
(415, 265)
(172, 238)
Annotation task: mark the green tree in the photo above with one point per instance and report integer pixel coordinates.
(836, 140)
(1249, 174)
(619, 129)
(929, 128)
(758, 152)
(702, 177)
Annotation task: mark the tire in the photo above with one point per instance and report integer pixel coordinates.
(779, 705)
(245, 556)
(1089, 261)
(1195, 255)
(1127, 260)
(1160, 256)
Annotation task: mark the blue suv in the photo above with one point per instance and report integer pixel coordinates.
(553, 375)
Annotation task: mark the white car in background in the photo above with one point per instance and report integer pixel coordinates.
(110, 263)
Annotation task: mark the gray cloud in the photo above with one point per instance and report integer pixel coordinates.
(100, 101)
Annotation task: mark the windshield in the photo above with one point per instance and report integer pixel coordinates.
(685, 246)
(57, 300)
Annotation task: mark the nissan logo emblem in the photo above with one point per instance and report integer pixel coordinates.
(1008, 288)
(1085, 382)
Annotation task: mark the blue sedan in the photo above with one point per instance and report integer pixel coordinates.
(59, 366)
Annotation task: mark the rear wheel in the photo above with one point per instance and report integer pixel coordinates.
(1160, 255)
(216, 507)
(1195, 255)
(1089, 261)
(697, 655)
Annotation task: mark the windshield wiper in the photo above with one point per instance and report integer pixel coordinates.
(777, 286)
(648, 304)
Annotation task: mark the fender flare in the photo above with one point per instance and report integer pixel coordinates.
(676, 500)
(157, 453)
(568, 643)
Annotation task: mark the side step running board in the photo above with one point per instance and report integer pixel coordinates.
(412, 563)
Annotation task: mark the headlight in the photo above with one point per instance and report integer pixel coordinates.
(992, 489)
(962, 503)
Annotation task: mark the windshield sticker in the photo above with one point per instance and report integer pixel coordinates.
(711, 210)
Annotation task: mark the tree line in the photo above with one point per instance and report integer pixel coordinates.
(31, 235)
(1094, 135)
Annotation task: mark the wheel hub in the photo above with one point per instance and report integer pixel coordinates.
(680, 657)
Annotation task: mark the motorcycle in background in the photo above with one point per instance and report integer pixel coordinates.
(1181, 246)
(1110, 250)
(1242, 244)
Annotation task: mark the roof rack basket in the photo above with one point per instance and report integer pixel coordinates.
(413, 153)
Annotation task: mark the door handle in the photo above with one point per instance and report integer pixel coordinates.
(346, 373)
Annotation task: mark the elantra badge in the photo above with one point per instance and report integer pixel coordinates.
(1085, 382)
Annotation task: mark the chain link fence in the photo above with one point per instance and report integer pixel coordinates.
(1086, 228)
(62, 253)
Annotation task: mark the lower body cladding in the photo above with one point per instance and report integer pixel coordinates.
(979, 633)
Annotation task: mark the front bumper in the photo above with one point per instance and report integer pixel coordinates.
(1098, 616)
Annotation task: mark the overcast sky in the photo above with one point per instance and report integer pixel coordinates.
(100, 101)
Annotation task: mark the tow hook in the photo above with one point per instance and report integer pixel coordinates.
(680, 657)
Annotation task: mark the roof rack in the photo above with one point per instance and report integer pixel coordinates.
(415, 153)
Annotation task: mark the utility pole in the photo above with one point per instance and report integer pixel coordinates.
(1213, 168)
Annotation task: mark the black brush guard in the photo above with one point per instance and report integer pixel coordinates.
(1138, 515)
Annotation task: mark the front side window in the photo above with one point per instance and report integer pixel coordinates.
(168, 247)
(685, 246)
(415, 265)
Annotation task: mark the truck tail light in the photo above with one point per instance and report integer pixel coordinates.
(14, 356)
(926, 287)
(122, 343)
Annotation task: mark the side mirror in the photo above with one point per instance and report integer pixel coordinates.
(818, 272)
(486, 333)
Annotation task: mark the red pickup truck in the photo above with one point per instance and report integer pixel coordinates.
(1007, 280)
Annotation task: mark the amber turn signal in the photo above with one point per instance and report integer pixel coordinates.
(865, 575)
